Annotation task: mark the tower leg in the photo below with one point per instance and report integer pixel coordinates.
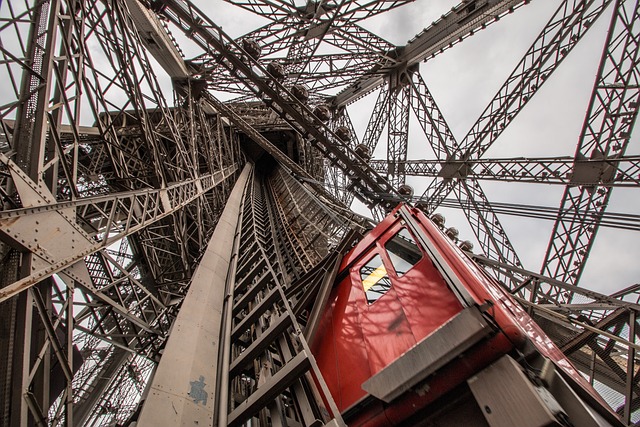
(183, 389)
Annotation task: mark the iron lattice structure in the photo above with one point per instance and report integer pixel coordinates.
(112, 186)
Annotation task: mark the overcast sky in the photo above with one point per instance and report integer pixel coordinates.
(463, 81)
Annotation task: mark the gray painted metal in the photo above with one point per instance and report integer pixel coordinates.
(101, 146)
(183, 387)
(510, 399)
(271, 388)
(265, 363)
(157, 41)
(455, 25)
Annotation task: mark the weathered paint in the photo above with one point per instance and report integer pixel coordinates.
(191, 353)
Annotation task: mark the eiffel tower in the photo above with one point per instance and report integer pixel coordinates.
(175, 199)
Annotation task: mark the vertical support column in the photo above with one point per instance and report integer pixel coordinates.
(631, 369)
(68, 398)
(398, 132)
(30, 385)
(183, 389)
(268, 373)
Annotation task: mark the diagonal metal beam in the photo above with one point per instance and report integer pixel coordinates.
(377, 120)
(462, 21)
(306, 45)
(266, 8)
(368, 185)
(398, 133)
(568, 24)
(561, 170)
(486, 226)
(484, 221)
(565, 29)
(431, 120)
(562, 32)
(113, 217)
(356, 10)
(606, 132)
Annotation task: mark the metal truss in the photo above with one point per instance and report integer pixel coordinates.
(398, 132)
(486, 226)
(460, 162)
(408, 91)
(606, 133)
(436, 130)
(108, 196)
(270, 374)
(103, 221)
(557, 38)
(632, 293)
(292, 39)
(589, 330)
(460, 22)
(621, 171)
(460, 166)
(367, 184)
(335, 179)
(560, 35)
(111, 189)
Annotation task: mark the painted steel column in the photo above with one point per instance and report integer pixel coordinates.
(183, 389)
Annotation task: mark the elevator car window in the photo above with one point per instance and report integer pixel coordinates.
(375, 280)
(403, 251)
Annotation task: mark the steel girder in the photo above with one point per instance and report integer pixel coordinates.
(352, 10)
(558, 37)
(413, 93)
(123, 193)
(589, 330)
(335, 179)
(267, 367)
(108, 219)
(631, 293)
(368, 185)
(292, 41)
(119, 310)
(612, 113)
(556, 40)
(398, 131)
(621, 171)
(454, 26)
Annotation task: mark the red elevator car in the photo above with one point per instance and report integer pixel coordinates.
(412, 319)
